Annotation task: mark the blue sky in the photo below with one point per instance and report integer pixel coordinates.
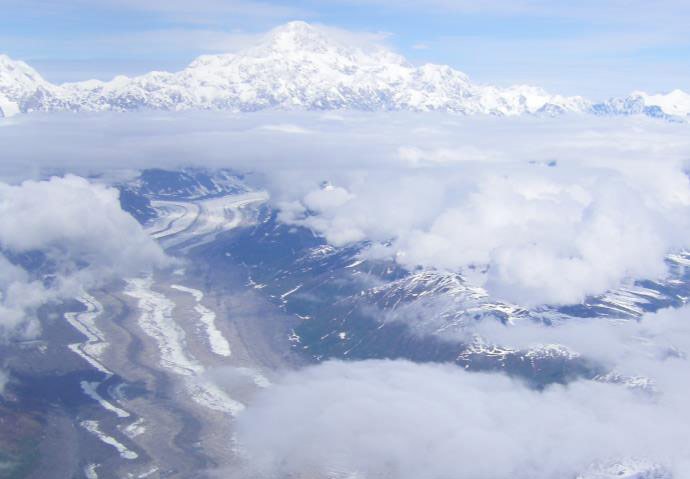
(594, 48)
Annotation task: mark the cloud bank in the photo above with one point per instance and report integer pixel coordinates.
(541, 234)
(537, 210)
(382, 419)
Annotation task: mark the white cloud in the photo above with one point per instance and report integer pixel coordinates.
(655, 346)
(556, 208)
(86, 238)
(383, 419)
(399, 419)
(546, 234)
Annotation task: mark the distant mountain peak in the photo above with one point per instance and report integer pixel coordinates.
(296, 34)
(20, 86)
(308, 67)
(14, 73)
(301, 41)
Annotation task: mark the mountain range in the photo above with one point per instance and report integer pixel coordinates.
(303, 67)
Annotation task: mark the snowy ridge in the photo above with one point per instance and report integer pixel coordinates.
(640, 383)
(299, 66)
(22, 89)
(672, 105)
(188, 184)
(676, 102)
(445, 301)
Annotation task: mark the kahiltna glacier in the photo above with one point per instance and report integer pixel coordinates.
(299, 66)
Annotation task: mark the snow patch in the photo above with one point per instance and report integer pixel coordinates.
(90, 471)
(85, 322)
(91, 390)
(135, 429)
(93, 428)
(218, 343)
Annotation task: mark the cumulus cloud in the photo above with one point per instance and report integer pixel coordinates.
(549, 230)
(552, 210)
(81, 231)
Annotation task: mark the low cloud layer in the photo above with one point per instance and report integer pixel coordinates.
(382, 419)
(548, 210)
(82, 231)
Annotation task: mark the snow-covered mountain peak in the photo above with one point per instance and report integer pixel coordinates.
(309, 67)
(297, 35)
(301, 42)
(8, 65)
(16, 76)
(294, 40)
(20, 85)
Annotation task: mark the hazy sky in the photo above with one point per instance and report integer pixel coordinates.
(594, 48)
